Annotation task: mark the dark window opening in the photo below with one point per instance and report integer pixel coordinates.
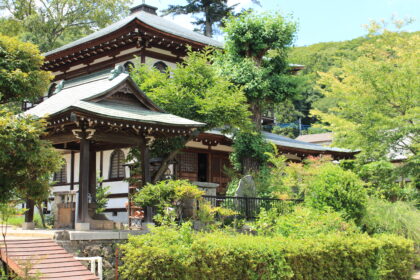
(51, 90)
(128, 66)
(161, 66)
(117, 169)
(61, 176)
(114, 213)
(202, 168)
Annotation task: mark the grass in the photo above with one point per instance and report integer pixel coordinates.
(18, 220)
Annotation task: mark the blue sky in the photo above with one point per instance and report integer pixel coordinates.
(324, 20)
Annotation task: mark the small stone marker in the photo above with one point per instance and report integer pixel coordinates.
(246, 187)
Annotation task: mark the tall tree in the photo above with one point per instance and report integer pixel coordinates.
(26, 161)
(255, 58)
(212, 12)
(20, 75)
(376, 99)
(52, 23)
(194, 90)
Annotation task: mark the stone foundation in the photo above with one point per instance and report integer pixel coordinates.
(95, 248)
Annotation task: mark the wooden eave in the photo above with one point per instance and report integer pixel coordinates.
(114, 42)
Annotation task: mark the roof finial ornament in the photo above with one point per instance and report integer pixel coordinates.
(116, 71)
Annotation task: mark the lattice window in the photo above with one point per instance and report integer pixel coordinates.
(117, 169)
(61, 176)
(188, 162)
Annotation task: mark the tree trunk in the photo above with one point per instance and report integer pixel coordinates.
(208, 29)
(41, 214)
(165, 162)
(256, 115)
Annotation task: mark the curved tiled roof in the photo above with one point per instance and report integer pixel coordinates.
(77, 94)
(149, 19)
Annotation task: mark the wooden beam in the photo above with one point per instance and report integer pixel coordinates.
(116, 138)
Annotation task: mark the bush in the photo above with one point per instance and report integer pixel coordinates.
(168, 253)
(340, 190)
(401, 218)
(302, 222)
(170, 193)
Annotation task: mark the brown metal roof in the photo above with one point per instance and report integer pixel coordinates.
(43, 258)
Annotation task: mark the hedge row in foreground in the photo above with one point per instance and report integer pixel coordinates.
(171, 254)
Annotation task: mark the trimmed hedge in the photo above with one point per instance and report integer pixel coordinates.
(179, 254)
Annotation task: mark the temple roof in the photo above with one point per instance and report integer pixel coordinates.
(149, 19)
(92, 94)
(283, 142)
(293, 143)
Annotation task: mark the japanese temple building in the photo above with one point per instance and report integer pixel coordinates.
(95, 113)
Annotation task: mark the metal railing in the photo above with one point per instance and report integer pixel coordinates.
(248, 207)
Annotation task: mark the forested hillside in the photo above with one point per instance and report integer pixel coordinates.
(321, 57)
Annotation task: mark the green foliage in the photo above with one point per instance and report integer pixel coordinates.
(208, 214)
(169, 193)
(18, 220)
(195, 90)
(168, 253)
(20, 74)
(376, 99)
(249, 150)
(289, 131)
(399, 217)
(26, 161)
(101, 199)
(50, 24)
(302, 223)
(333, 188)
(210, 12)
(255, 58)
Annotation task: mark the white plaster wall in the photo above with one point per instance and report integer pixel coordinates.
(121, 217)
(116, 187)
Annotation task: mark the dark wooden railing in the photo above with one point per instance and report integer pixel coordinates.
(248, 207)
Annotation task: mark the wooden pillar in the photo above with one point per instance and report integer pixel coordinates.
(82, 211)
(29, 214)
(145, 172)
(145, 162)
(92, 175)
(72, 170)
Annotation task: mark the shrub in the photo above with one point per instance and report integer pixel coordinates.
(169, 253)
(170, 193)
(302, 222)
(340, 190)
(401, 218)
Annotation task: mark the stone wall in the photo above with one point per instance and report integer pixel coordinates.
(93, 248)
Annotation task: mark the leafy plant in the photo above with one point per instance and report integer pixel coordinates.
(101, 196)
(180, 253)
(333, 188)
(302, 222)
(400, 217)
(167, 194)
(249, 150)
(208, 214)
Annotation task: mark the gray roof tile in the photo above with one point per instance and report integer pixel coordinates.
(77, 93)
(154, 21)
